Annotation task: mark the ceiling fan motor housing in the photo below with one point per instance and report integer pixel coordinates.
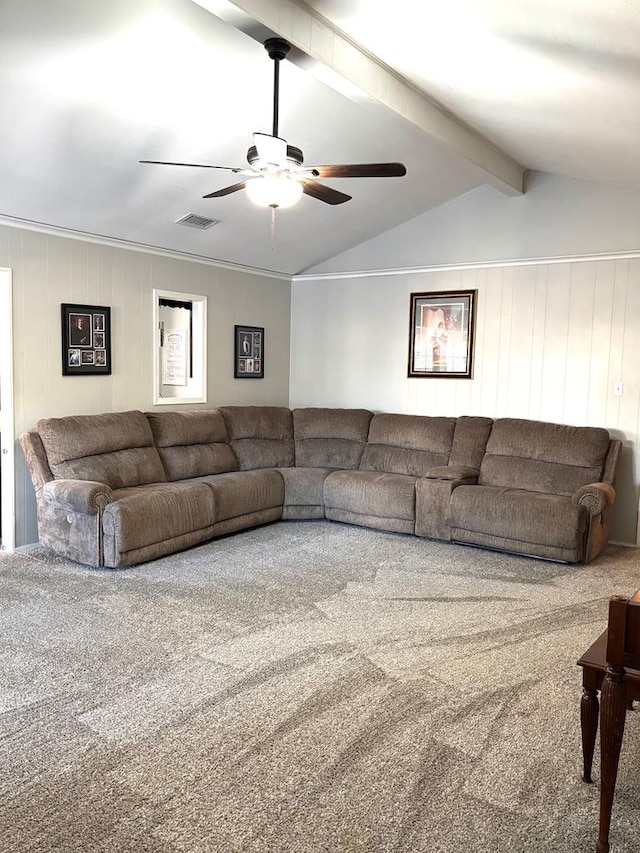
(293, 154)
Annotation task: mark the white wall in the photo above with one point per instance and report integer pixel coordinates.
(551, 340)
(555, 217)
(49, 270)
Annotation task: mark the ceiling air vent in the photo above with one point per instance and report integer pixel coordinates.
(192, 220)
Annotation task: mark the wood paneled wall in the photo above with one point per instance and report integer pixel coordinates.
(551, 339)
(49, 270)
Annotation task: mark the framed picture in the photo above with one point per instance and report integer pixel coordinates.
(249, 352)
(441, 332)
(86, 340)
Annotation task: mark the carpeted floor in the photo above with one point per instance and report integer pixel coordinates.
(306, 686)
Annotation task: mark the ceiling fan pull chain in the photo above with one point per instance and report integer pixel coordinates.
(273, 228)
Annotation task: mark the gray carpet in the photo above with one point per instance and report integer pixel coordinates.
(306, 686)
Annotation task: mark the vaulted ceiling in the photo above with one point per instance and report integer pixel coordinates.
(465, 93)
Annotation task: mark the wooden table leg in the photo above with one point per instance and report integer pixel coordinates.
(589, 726)
(612, 718)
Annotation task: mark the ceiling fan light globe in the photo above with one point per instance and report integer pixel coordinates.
(274, 190)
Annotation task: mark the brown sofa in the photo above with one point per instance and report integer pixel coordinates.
(126, 487)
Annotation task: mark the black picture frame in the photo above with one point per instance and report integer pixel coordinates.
(248, 360)
(441, 334)
(86, 339)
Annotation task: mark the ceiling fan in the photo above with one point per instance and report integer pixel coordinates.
(276, 176)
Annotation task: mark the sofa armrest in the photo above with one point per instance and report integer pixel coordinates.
(595, 497)
(85, 496)
(36, 459)
(452, 472)
(433, 500)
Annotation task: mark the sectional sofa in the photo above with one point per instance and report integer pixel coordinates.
(123, 488)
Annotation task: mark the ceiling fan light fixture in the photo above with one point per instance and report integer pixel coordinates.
(274, 189)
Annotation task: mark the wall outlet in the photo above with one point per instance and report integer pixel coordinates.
(617, 389)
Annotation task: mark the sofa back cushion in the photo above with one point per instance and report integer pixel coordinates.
(470, 441)
(192, 444)
(543, 457)
(330, 438)
(407, 444)
(115, 448)
(261, 436)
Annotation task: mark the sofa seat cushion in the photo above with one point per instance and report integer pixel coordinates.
(517, 515)
(364, 496)
(304, 486)
(245, 492)
(192, 443)
(115, 448)
(161, 512)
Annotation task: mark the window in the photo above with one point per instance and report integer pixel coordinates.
(180, 348)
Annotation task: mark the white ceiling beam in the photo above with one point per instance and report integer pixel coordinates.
(327, 53)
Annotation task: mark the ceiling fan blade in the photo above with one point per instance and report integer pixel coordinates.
(326, 194)
(194, 165)
(361, 170)
(272, 150)
(226, 190)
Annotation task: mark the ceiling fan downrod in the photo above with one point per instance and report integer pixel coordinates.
(277, 49)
